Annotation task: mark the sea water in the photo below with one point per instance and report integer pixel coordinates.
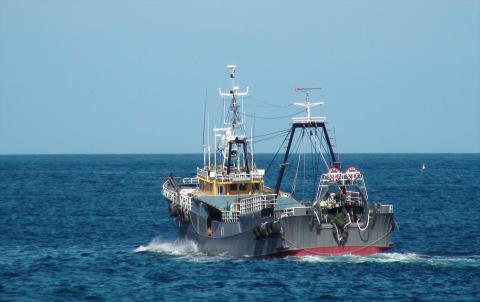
(96, 228)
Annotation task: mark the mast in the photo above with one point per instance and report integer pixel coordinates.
(305, 122)
(232, 137)
(235, 121)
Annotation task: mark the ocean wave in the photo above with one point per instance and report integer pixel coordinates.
(409, 258)
(176, 248)
(188, 250)
(184, 250)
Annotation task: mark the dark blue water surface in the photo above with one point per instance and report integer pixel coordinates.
(95, 228)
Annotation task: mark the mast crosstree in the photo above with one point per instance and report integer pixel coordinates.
(233, 94)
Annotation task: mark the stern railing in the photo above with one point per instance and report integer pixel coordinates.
(184, 200)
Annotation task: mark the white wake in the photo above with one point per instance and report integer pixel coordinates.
(177, 247)
(409, 258)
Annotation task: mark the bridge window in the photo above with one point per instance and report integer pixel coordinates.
(205, 186)
(243, 186)
(256, 187)
(233, 188)
(220, 189)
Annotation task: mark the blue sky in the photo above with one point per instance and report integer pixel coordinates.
(131, 76)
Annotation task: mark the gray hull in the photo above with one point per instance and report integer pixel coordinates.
(300, 235)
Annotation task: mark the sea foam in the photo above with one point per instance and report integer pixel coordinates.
(177, 247)
(408, 258)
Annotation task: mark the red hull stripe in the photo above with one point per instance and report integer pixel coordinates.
(333, 251)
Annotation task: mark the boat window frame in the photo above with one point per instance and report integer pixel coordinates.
(243, 187)
(221, 189)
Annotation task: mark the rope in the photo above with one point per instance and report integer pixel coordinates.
(318, 150)
(268, 139)
(368, 221)
(273, 117)
(271, 133)
(273, 159)
(294, 183)
(269, 104)
(272, 136)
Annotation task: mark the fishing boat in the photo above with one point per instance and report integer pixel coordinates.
(226, 208)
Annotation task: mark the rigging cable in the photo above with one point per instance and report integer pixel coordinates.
(319, 150)
(294, 183)
(296, 148)
(304, 168)
(274, 117)
(267, 134)
(314, 165)
(269, 104)
(273, 159)
(270, 136)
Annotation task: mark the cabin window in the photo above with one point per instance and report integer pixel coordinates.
(243, 187)
(256, 187)
(220, 189)
(205, 186)
(233, 187)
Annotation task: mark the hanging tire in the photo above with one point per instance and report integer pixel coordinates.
(256, 232)
(276, 227)
(269, 229)
(173, 210)
(263, 230)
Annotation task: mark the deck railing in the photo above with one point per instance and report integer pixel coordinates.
(230, 216)
(242, 176)
(384, 208)
(341, 179)
(190, 181)
(247, 205)
(257, 202)
(169, 193)
(184, 200)
(292, 210)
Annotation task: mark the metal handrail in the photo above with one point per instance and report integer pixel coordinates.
(169, 193)
(235, 176)
(248, 205)
(185, 201)
(385, 208)
(257, 202)
(341, 179)
(190, 181)
(230, 216)
(291, 211)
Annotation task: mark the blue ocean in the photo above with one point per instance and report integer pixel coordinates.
(96, 228)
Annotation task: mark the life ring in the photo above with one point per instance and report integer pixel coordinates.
(334, 175)
(352, 173)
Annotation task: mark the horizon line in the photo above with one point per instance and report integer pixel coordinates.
(199, 153)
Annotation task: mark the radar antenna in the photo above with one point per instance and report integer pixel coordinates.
(233, 94)
(308, 105)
